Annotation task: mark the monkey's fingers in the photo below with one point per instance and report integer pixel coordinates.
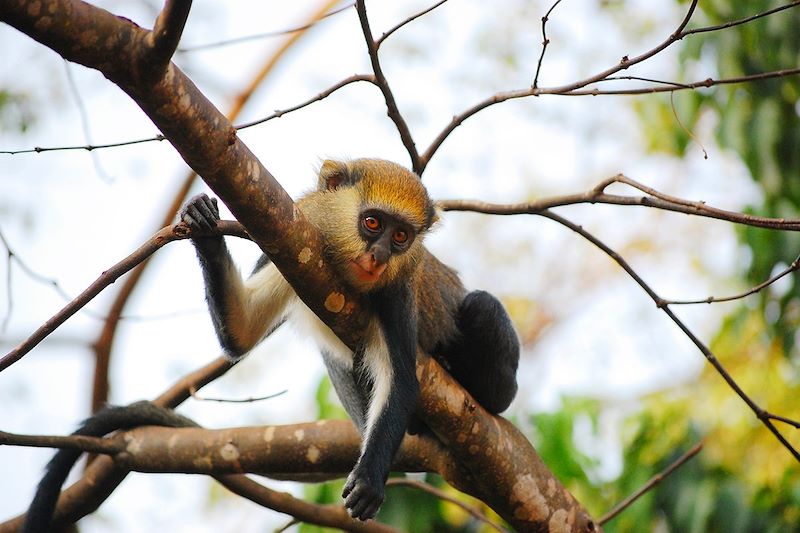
(199, 213)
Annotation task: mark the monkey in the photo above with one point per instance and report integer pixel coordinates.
(143, 413)
(373, 215)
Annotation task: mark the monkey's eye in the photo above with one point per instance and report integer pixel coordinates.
(372, 223)
(400, 237)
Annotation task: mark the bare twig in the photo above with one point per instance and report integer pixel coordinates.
(745, 20)
(199, 398)
(674, 86)
(412, 18)
(716, 299)
(783, 419)
(652, 482)
(388, 96)
(430, 489)
(545, 43)
(321, 96)
(686, 130)
(277, 114)
(597, 195)
(84, 116)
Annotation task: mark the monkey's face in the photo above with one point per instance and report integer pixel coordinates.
(386, 239)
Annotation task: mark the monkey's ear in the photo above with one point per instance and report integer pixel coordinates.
(333, 174)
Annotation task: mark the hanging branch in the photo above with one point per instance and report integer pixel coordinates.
(764, 416)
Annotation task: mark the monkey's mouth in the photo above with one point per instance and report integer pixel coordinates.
(369, 273)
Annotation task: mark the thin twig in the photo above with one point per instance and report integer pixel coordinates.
(430, 489)
(383, 84)
(199, 398)
(716, 299)
(739, 22)
(652, 482)
(412, 18)
(545, 43)
(674, 86)
(783, 419)
(686, 130)
(321, 96)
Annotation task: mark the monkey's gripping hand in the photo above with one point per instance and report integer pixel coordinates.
(201, 212)
(363, 492)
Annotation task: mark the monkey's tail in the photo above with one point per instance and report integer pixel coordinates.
(143, 413)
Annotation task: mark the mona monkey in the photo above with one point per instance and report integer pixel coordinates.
(373, 215)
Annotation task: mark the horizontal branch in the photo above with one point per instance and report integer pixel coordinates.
(597, 195)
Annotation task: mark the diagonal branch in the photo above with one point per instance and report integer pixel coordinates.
(410, 19)
(652, 482)
(162, 42)
(163, 237)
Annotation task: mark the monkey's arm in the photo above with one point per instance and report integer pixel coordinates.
(390, 364)
(242, 312)
(40, 512)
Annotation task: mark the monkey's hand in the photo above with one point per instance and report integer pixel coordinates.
(200, 213)
(363, 493)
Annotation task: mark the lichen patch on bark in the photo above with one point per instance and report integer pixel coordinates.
(334, 302)
(531, 506)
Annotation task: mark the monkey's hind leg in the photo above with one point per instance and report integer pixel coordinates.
(485, 357)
